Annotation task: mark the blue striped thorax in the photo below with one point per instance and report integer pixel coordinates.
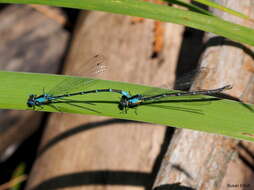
(42, 99)
(134, 100)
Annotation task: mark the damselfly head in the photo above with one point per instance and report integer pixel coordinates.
(123, 103)
(31, 100)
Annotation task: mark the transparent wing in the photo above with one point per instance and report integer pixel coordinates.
(155, 91)
(63, 107)
(193, 100)
(185, 82)
(90, 68)
(196, 111)
(93, 67)
(68, 85)
(196, 100)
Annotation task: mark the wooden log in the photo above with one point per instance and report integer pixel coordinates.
(30, 42)
(208, 161)
(88, 152)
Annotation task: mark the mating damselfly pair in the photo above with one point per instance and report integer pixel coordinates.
(58, 93)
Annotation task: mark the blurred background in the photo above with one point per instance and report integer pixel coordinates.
(67, 151)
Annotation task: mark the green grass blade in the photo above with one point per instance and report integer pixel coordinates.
(201, 113)
(225, 9)
(18, 176)
(190, 6)
(158, 12)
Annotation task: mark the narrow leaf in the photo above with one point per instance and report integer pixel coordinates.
(158, 12)
(203, 113)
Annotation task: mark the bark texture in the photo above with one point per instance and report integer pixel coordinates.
(30, 42)
(198, 160)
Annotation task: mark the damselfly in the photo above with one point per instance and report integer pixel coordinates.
(59, 92)
(133, 101)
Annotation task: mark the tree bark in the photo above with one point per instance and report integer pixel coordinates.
(206, 161)
(34, 47)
